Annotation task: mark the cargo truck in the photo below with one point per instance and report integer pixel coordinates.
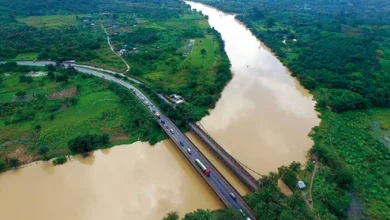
(203, 167)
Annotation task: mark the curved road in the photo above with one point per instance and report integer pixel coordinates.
(216, 181)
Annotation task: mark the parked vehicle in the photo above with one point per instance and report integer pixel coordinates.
(203, 167)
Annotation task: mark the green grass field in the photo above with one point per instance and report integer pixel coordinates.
(172, 72)
(50, 21)
(26, 56)
(107, 60)
(98, 110)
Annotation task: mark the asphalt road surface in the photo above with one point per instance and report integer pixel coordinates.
(215, 180)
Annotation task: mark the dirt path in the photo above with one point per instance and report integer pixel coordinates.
(311, 204)
(112, 48)
(308, 194)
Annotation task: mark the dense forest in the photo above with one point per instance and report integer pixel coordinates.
(340, 51)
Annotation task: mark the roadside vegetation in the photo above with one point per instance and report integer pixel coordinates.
(48, 112)
(176, 54)
(341, 53)
(169, 47)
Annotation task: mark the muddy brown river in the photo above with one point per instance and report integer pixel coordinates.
(264, 115)
(262, 119)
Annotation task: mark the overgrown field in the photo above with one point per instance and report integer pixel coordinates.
(50, 108)
(50, 21)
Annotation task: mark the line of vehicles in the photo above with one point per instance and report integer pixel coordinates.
(204, 169)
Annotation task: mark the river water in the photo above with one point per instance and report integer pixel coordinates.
(121, 183)
(262, 119)
(264, 115)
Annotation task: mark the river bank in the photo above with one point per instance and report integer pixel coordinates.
(321, 59)
(263, 109)
(262, 119)
(121, 183)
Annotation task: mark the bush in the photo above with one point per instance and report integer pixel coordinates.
(14, 162)
(20, 93)
(25, 79)
(87, 143)
(171, 216)
(3, 166)
(59, 160)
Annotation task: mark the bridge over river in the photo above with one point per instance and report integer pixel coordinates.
(217, 182)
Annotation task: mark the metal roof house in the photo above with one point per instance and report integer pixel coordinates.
(301, 184)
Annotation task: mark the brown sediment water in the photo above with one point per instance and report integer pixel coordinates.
(264, 115)
(134, 181)
(262, 119)
(238, 185)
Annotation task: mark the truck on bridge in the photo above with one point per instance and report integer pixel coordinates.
(203, 167)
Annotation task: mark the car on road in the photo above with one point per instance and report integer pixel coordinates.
(232, 195)
(167, 126)
(189, 151)
(181, 143)
(172, 131)
(162, 121)
(142, 98)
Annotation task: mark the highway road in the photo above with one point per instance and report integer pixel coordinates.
(216, 181)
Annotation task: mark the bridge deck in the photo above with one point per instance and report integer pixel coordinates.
(215, 180)
(246, 178)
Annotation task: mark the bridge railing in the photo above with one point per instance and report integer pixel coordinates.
(246, 178)
(248, 209)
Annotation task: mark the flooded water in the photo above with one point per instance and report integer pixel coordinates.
(264, 115)
(126, 182)
(262, 119)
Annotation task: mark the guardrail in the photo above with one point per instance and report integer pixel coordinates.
(220, 176)
(242, 174)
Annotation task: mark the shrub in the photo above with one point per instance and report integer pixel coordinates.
(59, 160)
(14, 162)
(3, 166)
(25, 79)
(87, 143)
(20, 93)
(171, 216)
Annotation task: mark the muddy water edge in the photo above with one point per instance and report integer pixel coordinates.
(262, 119)
(264, 115)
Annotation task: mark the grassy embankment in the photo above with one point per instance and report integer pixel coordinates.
(51, 113)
